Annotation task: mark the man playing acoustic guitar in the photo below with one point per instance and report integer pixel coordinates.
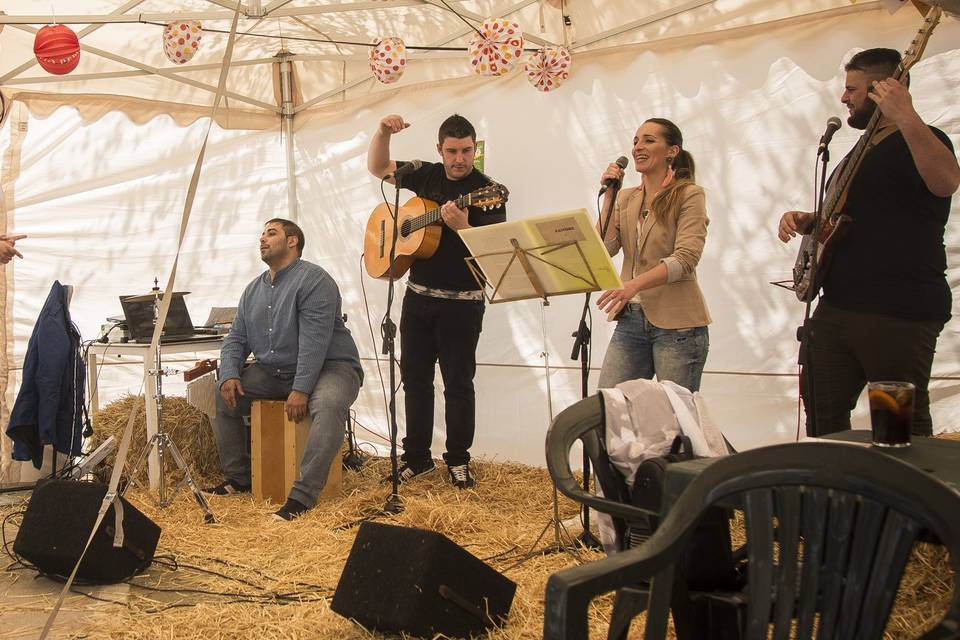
(443, 307)
(885, 294)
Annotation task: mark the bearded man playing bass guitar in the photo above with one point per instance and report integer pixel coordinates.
(443, 307)
(885, 294)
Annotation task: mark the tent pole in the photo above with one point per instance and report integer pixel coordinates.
(287, 113)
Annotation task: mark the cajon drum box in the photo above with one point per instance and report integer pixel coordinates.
(276, 447)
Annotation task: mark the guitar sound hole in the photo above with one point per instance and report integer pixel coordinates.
(405, 229)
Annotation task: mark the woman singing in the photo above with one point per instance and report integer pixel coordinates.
(661, 226)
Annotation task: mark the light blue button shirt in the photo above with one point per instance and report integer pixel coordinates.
(292, 324)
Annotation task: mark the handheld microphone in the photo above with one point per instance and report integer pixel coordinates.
(833, 124)
(622, 162)
(404, 169)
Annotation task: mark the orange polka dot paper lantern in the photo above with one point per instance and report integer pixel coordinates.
(496, 48)
(548, 68)
(181, 39)
(388, 59)
(57, 49)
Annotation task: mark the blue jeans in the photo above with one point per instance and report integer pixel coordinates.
(329, 405)
(639, 349)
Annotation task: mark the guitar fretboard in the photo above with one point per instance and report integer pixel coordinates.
(415, 224)
(849, 170)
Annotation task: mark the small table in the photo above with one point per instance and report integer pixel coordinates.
(936, 456)
(140, 350)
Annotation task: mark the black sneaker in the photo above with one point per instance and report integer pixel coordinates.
(408, 471)
(290, 510)
(461, 476)
(227, 488)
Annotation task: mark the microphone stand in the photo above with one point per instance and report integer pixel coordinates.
(805, 331)
(581, 350)
(388, 330)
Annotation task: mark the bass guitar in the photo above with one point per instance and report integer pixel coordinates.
(418, 234)
(818, 243)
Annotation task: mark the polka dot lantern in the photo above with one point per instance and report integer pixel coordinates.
(496, 48)
(181, 39)
(388, 59)
(548, 68)
(57, 49)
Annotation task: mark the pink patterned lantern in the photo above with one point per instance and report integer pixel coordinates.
(388, 59)
(497, 46)
(548, 68)
(181, 39)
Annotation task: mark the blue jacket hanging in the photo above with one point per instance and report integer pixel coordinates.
(49, 406)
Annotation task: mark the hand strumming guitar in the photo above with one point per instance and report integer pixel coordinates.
(792, 223)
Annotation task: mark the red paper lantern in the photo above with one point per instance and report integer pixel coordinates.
(57, 49)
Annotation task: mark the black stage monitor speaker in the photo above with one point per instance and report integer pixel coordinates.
(58, 522)
(419, 582)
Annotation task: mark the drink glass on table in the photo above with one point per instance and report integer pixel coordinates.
(891, 412)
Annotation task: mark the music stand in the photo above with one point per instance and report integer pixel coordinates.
(541, 257)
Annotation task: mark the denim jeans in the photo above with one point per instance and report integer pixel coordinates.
(639, 349)
(436, 330)
(329, 405)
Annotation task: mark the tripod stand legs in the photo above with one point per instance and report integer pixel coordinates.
(163, 443)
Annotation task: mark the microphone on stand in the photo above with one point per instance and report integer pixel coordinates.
(622, 162)
(404, 169)
(833, 124)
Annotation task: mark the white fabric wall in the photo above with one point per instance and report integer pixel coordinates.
(101, 203)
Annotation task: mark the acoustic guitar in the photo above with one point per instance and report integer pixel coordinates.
(418, 234)
(819, 242)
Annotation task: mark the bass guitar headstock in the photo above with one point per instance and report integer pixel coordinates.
(919, 43)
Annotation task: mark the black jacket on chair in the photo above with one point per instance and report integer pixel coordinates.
(49, 405)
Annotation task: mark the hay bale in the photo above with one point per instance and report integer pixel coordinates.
(188, 427)
(278, 576)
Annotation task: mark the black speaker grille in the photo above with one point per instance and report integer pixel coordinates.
(58, 521)
(394, 578)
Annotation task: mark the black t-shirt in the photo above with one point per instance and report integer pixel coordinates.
(447, 269)
(892, 260)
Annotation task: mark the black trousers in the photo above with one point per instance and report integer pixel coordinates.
(436, 330)
(846, 349)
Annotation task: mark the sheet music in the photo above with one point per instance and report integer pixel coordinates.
(575, 265)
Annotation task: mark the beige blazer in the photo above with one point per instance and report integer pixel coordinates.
(674, 237)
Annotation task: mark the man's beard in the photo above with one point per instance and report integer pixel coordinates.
(861, 116)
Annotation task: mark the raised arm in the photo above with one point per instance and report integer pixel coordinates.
(935, 162)
(378, 155)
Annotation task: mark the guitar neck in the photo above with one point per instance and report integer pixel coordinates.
(433, 215)
(846, 175)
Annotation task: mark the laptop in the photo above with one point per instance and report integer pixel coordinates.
(138, 311)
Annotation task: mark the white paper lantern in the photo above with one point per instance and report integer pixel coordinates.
(388, 59)
(496, 48)
(548, 68)
(181, 39)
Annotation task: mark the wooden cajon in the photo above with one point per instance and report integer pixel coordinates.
(276, 447)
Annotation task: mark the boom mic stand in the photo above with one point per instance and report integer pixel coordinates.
(804, 331)
(581, 349)
(388, 330)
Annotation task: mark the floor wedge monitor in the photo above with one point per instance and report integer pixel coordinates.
(58, 521)
(421, 583)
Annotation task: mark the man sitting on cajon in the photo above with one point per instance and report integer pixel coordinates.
(289, 318)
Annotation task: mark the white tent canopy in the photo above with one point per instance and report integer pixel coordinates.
(96, 164)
